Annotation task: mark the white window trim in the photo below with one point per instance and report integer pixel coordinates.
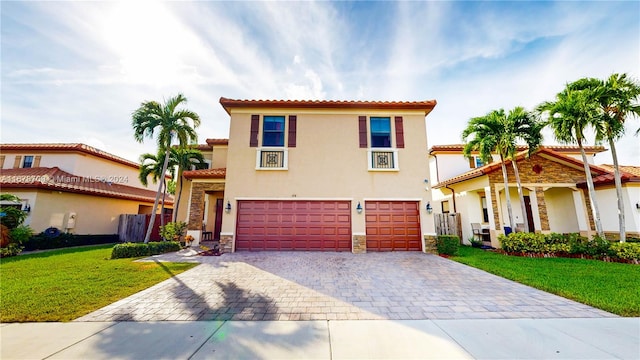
(285, 161)
(396, 164)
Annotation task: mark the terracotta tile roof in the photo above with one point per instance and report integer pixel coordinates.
(71, 147)
(59, 180)
(557, 148)
(633, 170)
(218, 141)
(219, 173)
(495, 166)
(426, 105)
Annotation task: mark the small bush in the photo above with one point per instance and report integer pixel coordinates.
(522, 242)
(11, 250)
(599, 247)
(448, 244)
(129, 250)
(21, 234)
(173, 231)
(626, 251)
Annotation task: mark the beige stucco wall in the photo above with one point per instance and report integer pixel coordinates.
(561, 210)
(219, 156)
(327, 163)
(608, 206)
(94, 215)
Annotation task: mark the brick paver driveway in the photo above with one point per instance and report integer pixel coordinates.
(343, 286)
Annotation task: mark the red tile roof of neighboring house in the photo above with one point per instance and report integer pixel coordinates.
(219, 173)
(627, 174)
(426, 105)
(496, 165)
(58, 180)
(73, 147)
(218, 141)
(557, 148)
(633, 170)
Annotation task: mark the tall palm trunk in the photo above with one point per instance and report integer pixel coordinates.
(523, 208)
(164, 198)
(506, 192)
(618, 181)
(179, 191)
(155, 203)
(592, 192)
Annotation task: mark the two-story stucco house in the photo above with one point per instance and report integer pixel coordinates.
(319, 176)
(73, 187)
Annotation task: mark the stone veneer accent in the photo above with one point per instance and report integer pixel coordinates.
(430, 246)
(226, 243)
(198, 190)
(542, 209)
(359, 244)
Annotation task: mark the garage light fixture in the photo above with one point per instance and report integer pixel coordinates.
(359, 208)
(228, 207)
(429, 208)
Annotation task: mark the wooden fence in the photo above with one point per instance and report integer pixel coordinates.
(448, 224)
(133, 227)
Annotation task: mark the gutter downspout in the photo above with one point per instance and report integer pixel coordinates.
(453, 196)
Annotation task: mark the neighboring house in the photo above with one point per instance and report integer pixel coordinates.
(73, 187)
(552, 180)
(319, 176)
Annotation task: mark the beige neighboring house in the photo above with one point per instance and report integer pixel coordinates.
(73, 187)
(554, 186)
(318, 176)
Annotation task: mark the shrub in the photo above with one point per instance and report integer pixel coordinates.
(599, 247)
(129, 250)
(626, 251)
(10, 250)
(173, 231)
(577, 244)
(21, 234)
(448, 244)
(523, 242)
(44, 241)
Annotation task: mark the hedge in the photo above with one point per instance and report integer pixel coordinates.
(570, 244)
(45, 240)
(448, 244)
(129, 250)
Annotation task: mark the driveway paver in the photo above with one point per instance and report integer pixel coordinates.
(335, 286)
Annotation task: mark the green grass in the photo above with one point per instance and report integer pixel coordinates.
(62, 285)
(613, 287)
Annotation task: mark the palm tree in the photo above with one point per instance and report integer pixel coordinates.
(521, 124)
(570, 115)
(489, 136)
(616, 98)
(185, 158)
(151, 165)
(167, 121)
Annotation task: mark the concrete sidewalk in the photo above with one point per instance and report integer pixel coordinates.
(596, 338)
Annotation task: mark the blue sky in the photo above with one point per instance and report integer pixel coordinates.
(75, 71)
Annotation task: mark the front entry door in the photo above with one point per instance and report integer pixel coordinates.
(527, 207)
(218, 223)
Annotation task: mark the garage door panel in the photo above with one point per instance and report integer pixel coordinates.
(392, 226)
(294, 225)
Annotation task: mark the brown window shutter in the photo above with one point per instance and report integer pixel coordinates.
(362, 126)
(293, 119)
(472, 162)
(36, 161)
(399, 133)
(16, 163)
(255, 126)
(1, 161)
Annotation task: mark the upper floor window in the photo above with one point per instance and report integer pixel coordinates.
(380, 132)
(273, 131)
(27, 162)
(475, 162)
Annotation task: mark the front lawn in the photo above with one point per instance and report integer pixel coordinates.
(62, 285)
(612, 287)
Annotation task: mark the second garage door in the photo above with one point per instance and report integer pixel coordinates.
(294, 225)
(393, 226)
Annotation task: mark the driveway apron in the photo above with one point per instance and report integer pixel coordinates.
(335, 286)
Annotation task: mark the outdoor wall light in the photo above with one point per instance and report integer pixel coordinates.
(429, 208)
(27, 208)
(359, 208)
(228, 207)
(637, 205)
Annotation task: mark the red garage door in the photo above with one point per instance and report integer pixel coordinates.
(393, 225)
(294, 225)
